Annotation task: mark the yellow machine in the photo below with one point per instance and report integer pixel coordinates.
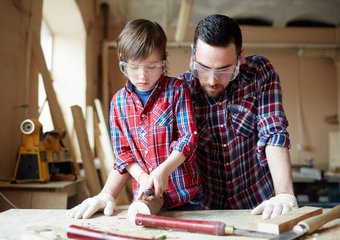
(41, 156)
(58, 157)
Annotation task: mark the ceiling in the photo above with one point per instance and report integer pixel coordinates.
(276, 12)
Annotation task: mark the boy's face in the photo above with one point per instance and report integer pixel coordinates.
(144, 73)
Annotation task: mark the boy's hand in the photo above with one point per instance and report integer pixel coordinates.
(143, 185)
(159, 180)
(92, 205)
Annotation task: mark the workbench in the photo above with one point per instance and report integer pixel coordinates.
(52, 224)
(49, 195)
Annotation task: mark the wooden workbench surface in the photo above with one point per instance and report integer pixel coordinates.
(52, 224)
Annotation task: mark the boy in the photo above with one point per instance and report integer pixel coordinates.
(152, 127)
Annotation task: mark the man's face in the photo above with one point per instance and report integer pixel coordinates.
(215, 67)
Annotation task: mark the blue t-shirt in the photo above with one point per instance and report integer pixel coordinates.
(142, 95)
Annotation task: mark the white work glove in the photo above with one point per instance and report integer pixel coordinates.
(275, 206)
(92, 205)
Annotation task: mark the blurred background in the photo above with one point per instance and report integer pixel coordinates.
(77, 38)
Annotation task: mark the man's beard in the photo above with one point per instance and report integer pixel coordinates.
(214, 94)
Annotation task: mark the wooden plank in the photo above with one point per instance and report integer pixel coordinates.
(105, 152)
(334, 151)
(99, 150)
(90, 126)
(92, 179)
(183, 20)
(105, 77)
(104, 139)
(287, 221)
(56, 113)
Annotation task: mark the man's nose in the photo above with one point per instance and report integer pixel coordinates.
(211, 78)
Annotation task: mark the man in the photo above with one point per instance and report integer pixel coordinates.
(243, 142)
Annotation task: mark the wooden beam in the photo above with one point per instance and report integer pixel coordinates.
(183, 19)
(90, 126)
(104, 138)
(99, 150)
(105, 151)
(105, 78)
(55, 109)
(92, 179)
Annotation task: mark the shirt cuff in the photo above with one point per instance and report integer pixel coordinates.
(121, 163)
(279, 140)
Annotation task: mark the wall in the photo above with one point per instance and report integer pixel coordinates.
(317, 75)
(19, 74)
(18, 91)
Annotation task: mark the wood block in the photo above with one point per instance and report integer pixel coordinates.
(334, 150)
(286, 222)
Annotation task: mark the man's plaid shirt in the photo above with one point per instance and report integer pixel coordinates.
(233, 133)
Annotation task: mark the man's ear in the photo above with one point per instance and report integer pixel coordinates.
(193, 49)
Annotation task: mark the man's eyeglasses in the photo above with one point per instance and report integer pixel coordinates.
(132, 70)
(203, 72)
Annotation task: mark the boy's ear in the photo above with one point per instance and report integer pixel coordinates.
(242, 55)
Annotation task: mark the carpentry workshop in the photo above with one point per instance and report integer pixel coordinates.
(170, 119)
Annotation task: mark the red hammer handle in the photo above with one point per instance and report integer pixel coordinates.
(208, 227)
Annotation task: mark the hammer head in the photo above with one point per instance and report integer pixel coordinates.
(138, 206)
(145, 206)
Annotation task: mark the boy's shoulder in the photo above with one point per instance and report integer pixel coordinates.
(119, 94)
(173, 81)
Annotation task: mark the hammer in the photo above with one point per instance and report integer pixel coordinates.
(145, 206)
(198, 226)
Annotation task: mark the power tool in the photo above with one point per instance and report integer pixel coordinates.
(41, 155)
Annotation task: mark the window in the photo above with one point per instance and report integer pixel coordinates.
(46, 41)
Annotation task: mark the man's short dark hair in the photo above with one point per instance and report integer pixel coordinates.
(220, 31)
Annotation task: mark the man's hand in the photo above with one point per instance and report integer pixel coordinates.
(92, 205)
(277, 205)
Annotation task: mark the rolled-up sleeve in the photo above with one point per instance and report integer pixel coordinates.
(186, 142)
(272, 121)
(120, 143)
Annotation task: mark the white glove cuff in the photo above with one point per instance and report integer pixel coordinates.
(290, 197)
(106, 196)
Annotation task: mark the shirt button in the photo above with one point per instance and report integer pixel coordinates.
(195, 132)
(146, 151)
(219, 103)
(224, 145)
(222, 126)
(150, 169)
(143, 115)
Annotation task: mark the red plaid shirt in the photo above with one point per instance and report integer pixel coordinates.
(148, 134)
(233, 133)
